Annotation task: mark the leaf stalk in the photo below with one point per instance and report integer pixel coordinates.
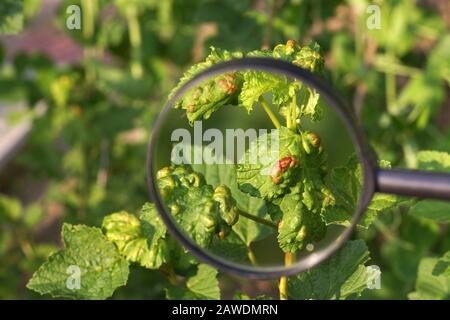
(258, 219)
(269, 112)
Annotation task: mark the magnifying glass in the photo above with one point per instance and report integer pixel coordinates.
(258, 167)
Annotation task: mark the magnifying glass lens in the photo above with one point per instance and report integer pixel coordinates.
(256, 169)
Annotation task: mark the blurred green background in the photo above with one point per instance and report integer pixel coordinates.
(77, 107)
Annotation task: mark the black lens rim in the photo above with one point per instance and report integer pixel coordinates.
(334, 100)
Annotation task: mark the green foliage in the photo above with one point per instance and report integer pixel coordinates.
(103, 259)
(199, 209)
(299, 225)
(11, 16)
(283, 90)
(341, 277)
(434, 160)
(224, 174)
(433, 209)
(261, 179)
(201, 286)
(245, 88)
(138, 240)
(216, 56)
(10, 209)
(90, 142)
(292, 184)
(433, 280)
(202, 101)
(276, 177)
(221, 206)
(101, 268)
(18, 253)
(345, 184)
(442, 266)
(243, 296)
(416, 238)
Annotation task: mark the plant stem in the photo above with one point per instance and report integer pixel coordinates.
(391, 89)
(168, 271)
(89, 12)
(84, 185)
(293, 112)
(410, 151)
(289, 259)
(251, 257)
(390, 67)
(165, 18)
(390, 93)
(90, 9)
(282, 287)
(134, 32)
(102, 174)
(269, 112)
(391, 236)
(288, 117)
(258, 219)
(271, 4)
(24, 243)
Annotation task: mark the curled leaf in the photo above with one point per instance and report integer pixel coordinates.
(202, 101)
(138, 240)
(299, 225)
(282, 157)
(200, 210)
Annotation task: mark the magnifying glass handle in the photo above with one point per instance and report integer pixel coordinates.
(414, 183)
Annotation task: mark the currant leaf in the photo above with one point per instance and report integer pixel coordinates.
(201, 286)
(270, 174)
(201, 210)
(88, 257)
(345, 184)
(341, 277)
(138, 240)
